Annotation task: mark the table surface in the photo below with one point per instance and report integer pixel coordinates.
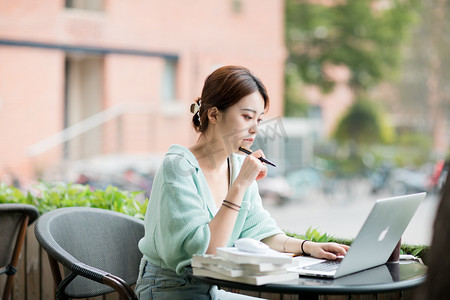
(385, 278)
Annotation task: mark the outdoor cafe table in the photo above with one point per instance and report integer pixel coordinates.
(390, 277)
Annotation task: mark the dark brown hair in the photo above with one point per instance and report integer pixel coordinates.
(224, 88)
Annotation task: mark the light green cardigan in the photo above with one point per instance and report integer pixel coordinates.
(181, 206)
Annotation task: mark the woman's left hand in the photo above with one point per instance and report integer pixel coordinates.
(329, 251)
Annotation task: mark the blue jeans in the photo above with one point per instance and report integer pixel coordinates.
(156, 283)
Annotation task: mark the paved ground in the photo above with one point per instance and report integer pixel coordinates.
(343, 218)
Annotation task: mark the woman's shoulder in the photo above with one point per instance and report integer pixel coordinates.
(176, 150)
(179, 161)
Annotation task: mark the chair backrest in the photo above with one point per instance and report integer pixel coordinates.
(99, 238)
(14, 220)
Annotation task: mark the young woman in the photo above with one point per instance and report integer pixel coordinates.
(206, 196)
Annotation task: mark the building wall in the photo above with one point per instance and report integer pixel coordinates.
(135, 39)
(30, 103)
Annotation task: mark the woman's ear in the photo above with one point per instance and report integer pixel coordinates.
(213, 115)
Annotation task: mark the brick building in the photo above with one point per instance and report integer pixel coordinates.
(86, 78)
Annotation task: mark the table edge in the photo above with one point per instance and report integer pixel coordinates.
(321, 290)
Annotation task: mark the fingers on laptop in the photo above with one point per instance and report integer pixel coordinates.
(331, 251)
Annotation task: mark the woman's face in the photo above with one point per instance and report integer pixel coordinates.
(238, 125)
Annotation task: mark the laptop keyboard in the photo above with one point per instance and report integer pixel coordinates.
(329, 265)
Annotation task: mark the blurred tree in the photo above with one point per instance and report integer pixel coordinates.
(366, 36)
(364, 124)
(295, 104)
(425, 86)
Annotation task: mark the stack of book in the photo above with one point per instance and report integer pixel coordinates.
(245, 267)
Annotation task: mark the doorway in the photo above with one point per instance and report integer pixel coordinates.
(83, 98)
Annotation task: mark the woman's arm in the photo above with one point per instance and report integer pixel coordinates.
(221, 226)
(283, 243)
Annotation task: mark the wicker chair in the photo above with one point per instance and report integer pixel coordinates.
(98, 249)
(14, 221)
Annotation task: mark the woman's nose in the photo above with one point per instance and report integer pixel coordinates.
(254, 129)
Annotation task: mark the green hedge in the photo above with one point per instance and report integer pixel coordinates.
(316, 236)
(50, 196)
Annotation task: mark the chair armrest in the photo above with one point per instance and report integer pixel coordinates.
(117, 283)
(89, 272)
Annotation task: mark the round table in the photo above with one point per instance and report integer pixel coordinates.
(389, 277)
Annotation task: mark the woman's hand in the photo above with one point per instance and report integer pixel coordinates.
(252, 169)
(329, 251)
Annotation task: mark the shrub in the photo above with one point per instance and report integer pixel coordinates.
(315, 236)
(49, 196)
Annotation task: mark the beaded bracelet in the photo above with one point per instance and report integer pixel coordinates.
(303, 251)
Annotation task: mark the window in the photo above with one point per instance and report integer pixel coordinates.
(85, 4)
(236, 6)
(293, 153)
(168, 90)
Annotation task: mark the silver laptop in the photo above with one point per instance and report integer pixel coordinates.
(375, 241)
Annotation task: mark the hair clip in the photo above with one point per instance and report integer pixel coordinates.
(195, 109)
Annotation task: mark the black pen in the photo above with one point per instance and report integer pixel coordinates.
(247, 151)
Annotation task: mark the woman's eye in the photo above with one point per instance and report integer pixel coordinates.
(260, 120)
(247, 117)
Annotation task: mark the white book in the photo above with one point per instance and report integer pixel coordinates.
(255, 279)
(221, 269)
(234, 272)
(242, 257)
(209, 259)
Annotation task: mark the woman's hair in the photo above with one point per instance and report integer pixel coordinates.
(224, 88)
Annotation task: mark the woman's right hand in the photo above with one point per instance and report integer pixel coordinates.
(252, 169)
(329, 251)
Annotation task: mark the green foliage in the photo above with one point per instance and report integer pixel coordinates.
(341, 161)
(415, 250)
(314, 235)
(295, 105)
(416, 157)
(415, 139)
(348, 167)
(50, 196)
(365, 38)
(364, 123)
